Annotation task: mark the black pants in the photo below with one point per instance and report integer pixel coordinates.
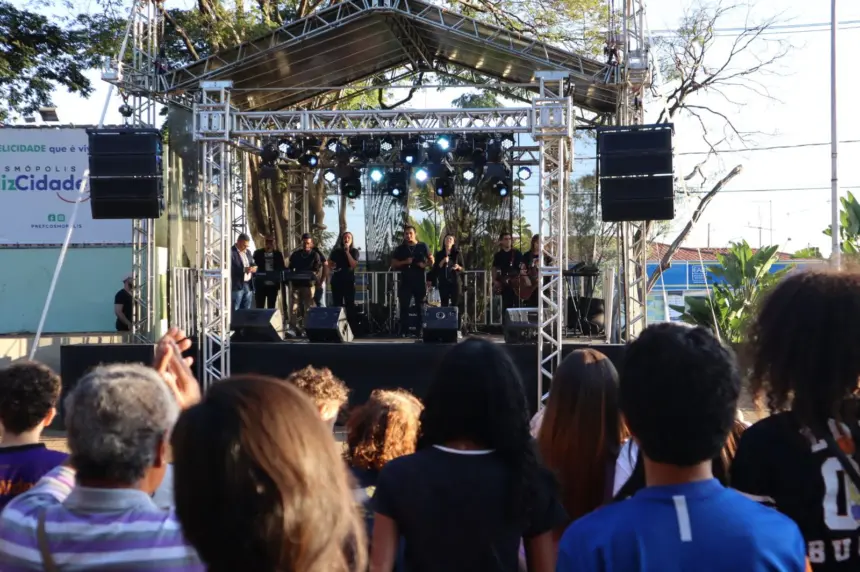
(405, 294)
(343, 295)
(266, 295)
(451, 294)
(509, 300)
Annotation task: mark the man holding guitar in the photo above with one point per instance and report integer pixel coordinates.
(507, 268)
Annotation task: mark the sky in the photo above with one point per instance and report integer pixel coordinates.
(782, 195)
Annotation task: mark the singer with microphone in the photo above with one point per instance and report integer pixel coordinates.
(342, 261)
(447, 272)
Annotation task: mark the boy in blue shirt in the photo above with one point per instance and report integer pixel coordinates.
(678, 393)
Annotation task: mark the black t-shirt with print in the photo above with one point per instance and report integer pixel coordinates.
(508, 262)
(304, 261)
(451, 509)
(418, 252)
(782, 463)
(342, 271)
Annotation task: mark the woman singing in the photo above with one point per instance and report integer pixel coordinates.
(343, 261)
(447, 271)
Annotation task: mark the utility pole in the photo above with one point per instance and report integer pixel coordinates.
(836, 254)
(709, 235)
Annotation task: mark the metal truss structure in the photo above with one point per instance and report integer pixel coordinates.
(298, 222)
(553, 128)
(633, 236)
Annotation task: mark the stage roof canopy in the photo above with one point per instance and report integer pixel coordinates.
(359, 39)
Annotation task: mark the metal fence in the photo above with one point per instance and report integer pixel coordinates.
(183, 287)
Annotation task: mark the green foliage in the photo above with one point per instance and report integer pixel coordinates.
(428, 232)
(849, 224)
(589, 238)
(477, 100)
(808, 253)
(36, 57)
(744, 276)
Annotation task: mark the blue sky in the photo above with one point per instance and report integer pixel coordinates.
(783, 195)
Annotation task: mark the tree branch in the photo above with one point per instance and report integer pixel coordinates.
(703, 204)
(189, 45)
(412, 90)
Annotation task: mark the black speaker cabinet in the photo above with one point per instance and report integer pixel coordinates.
(634, 150)
(637, 198)
(327, 325)
(125, 173)
(521, 326)
(440, 325)
(258, 325)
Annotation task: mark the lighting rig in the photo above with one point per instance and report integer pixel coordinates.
(390, 162)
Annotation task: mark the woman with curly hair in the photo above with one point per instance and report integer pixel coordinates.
(474, 487)
(803, 458)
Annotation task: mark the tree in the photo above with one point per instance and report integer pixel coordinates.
(739, 282)
(36, 57)
(695, 64)
(849, 225)
(590, 240)
(808, 253)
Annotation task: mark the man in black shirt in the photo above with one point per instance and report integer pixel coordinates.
(507, 263)
(305, 259)
(270, 262)
(122, 303)
(411, 258)
(342, 263)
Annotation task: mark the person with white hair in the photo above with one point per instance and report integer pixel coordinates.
(96, 512)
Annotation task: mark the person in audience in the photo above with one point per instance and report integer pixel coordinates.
(261, 485)
(28, 403)
(96, 512)
(474, 487)
(384, 428)
(581, 431)
(803, 458)
(631, 461)
(327, 392)
(678, 394)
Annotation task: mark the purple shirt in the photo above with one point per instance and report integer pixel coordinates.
(22, 466)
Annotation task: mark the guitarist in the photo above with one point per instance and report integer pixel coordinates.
(507, 263)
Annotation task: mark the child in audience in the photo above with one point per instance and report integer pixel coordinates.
(328, 393)
(474, 487)
(381, 430)
(678, 395)
(581, 431)
(28, 399)
(261, 485)
(803, 458)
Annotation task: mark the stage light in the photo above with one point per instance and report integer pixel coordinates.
(333, 145)
(462, 148)
(413, 152)
(330, 176)
(269, 154)
(524, 173)
(397, 183)
(387, 144)
(376, 174)
(502, 189)
(444, 187)
(468, 174)
(443, 143)
(290, 149)
(351, 185)
(408, 158)
(421, 175)
(309, 160)
(508, 141)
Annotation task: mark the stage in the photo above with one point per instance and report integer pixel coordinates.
(364, 365)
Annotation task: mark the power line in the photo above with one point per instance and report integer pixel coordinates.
(815, 27)
(768, 148)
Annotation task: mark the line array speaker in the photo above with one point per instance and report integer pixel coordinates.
(635, 170)
(125, 173)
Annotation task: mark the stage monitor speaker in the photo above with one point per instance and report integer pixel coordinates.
(258, 325)
(521, 326)
(440, 325)
(637, 198)
(136, 198)
(327, 325)
(634, 150)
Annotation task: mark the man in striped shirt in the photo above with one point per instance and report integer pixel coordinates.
(100, 515)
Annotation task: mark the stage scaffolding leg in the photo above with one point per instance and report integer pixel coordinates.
(553, 129)
(212, 116)
(298, 207)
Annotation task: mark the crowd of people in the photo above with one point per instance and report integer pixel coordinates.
(641, 468)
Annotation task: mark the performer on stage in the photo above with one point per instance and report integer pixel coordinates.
(447, 272)
(319, 292)
(412, 259)
(342, 263)
(531, 263)
(302, 295)
(506, 265)
(242, 269)
(272, 263)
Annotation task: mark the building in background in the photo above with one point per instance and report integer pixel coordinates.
(688, 275)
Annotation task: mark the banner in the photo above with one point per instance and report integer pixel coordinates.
(40, 175)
